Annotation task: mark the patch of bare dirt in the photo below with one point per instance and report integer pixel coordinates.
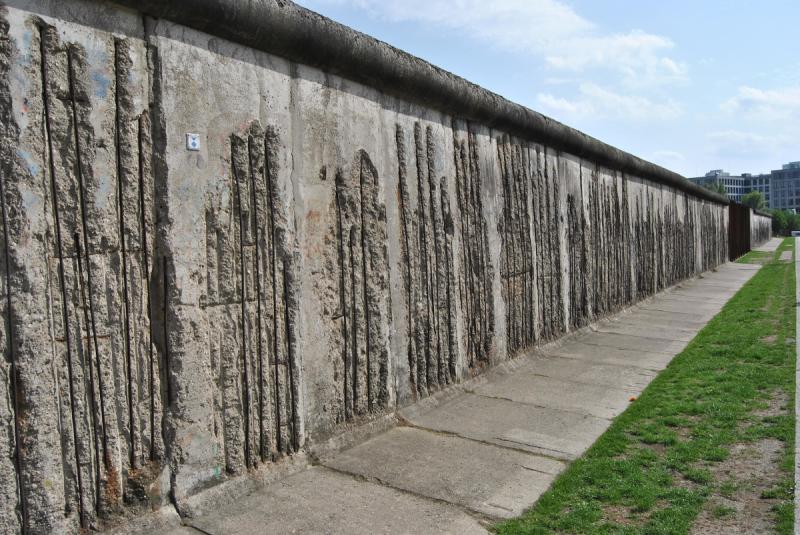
(770, 339)
(618, 514)
(678, 480)
(755, 466)
(624, 516)
(658, 449)
(776, 405)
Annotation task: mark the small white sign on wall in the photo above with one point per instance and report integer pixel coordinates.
(192, 141)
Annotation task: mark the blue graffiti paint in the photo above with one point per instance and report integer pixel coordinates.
(103, 194)
(33, 167)
(101, 84)
(25, 49)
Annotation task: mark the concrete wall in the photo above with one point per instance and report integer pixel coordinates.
(175, 318)
(760, 228)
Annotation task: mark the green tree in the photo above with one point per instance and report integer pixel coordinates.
(716, 187)
(793, 222)
(780, 222)
(754, 199)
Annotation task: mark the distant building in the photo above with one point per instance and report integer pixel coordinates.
(762, 183)
(781, 188)
(734, 185)
(786, 187)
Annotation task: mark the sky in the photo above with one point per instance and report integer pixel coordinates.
(692, 85)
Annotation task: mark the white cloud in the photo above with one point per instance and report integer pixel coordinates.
(739, 144)
(635, 55)
(597, 102)
(772, 117)
(547, 28)
(765, 104)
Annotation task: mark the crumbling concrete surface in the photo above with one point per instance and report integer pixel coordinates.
(760, 228)
(215, 258)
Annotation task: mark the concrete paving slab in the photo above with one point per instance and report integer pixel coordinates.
(697, 317)
(734, 266)
(730, 267)
(628, 341)
(726, 269)
(667, 319)
(720, 278)
(693, 297)
(689, 297)
(771, 246)
(486, 479)
(720, 283)
(700, 291)
(634, 326)
(552, 432)
(680, 306)
(786, 256)
(732, 275)
(581, 371)
(726, 274)
(320, 500)
(602, 401)
(610, 355)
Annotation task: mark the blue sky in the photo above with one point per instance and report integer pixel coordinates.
(691, 85)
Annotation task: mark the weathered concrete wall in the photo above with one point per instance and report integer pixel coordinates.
(334, 250)
(760, 228)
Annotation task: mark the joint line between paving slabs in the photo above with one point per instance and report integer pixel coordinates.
(480, 517)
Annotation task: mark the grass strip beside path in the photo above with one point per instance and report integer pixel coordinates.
(661, 466)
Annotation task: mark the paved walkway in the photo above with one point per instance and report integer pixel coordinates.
(771, 246)
(487, 450)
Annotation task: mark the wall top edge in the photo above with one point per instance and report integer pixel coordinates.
(285, 29)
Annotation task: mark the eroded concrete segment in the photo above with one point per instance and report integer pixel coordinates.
(215, 257)
(489, 480)
(489, 448)
(320, 500)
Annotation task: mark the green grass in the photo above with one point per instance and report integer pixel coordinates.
(655, 463)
